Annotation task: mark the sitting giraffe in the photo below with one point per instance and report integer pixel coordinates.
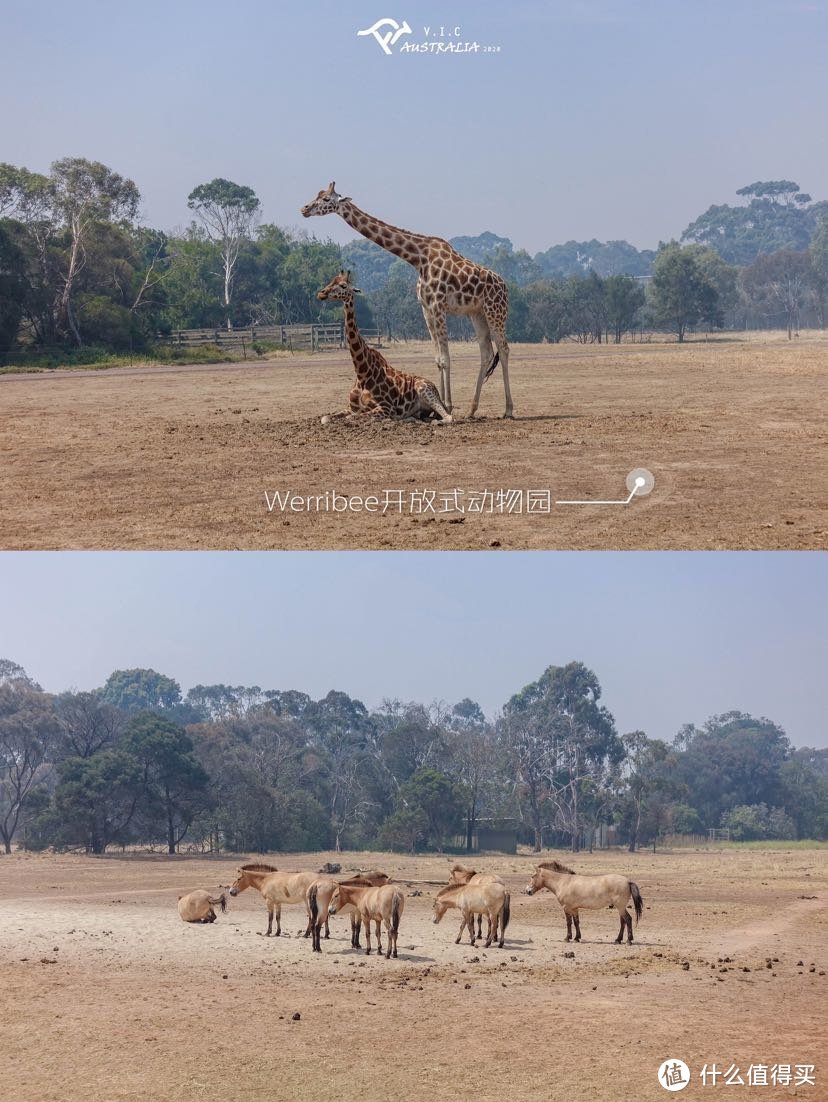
(380, 389)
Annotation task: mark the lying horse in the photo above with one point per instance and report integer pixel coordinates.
(198, 906)
(385, 904)
(461, 874)
(490, 899)
(574, 891)
(277, 888)
(319, 896)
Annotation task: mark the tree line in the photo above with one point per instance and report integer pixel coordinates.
(78, 270)
(242, 769)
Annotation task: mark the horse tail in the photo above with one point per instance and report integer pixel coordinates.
(395, 912)
(493, 364)
(313, 903)
(638, 902)
(220, 902)
(505, 914)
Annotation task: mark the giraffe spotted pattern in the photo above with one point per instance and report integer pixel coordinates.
(448, 284)
(380, 389)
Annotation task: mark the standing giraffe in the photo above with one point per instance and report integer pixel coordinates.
(380, 389)
(448, 284)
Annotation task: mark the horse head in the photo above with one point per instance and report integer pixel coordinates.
(536, 883)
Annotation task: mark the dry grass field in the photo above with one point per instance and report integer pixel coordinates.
(182, 457)
(108, 996)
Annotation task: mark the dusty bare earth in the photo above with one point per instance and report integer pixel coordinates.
(108, 996)
(182, 457)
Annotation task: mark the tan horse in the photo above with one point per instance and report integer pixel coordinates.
(472, 899)
(277, 888)
(461, 874)
(385, 904)
(198, 906)
(574, 891)
(319, 896)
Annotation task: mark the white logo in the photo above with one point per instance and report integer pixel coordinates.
(390, 37)
(674, 1075)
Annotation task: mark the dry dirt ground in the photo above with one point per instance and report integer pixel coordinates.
(182, 457)
(108, 996)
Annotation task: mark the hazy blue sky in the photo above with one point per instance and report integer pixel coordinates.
(605, 118)
(673, 637)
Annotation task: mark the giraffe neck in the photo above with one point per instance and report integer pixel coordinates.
(402, 243)
(356, 344)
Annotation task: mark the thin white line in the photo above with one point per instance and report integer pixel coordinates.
(626, 501)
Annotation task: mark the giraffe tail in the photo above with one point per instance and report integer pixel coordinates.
(493, 364)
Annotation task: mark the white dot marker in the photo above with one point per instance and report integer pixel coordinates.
(640, 482)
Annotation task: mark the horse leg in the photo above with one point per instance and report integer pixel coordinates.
(480, 925)
(378, 922)
(628, 918)
(327, 929)
(389, 939)
(459, 937)
(577, 925)
(620, 937)
(568, 926)
(278, 920)
(269, 919)
(366, 922)
(355, 930)
(489, 931)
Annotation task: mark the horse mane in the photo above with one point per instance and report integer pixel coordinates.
(449, 888)
(364, 880)
(259, 868)
(462, 868)
(556, 866)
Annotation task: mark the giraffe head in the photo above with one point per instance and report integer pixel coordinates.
(339, 289)
(326, 202)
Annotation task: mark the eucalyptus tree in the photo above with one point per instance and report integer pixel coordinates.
(227, 211)
(776, 215)
(473, 760)
(682, 292)
(566, 749)
(141, 690)
(175, 786)
(82, 194)
(780, 285)
(28, 730)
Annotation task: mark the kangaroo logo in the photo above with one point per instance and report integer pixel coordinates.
(390, 37)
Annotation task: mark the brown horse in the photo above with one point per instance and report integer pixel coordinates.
(472, 899)
(319, 896)
(385, 904)
(574, 891)
(198, 906)
(277, 888)
(461, 874)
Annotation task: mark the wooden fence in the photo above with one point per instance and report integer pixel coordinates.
(297, 338)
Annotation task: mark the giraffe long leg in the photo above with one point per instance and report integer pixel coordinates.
(435, 319)
(503, 349)
(484, 339)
